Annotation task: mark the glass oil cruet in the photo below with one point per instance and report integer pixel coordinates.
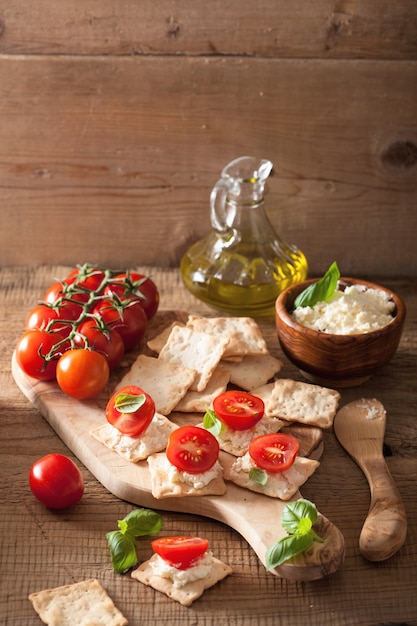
(242, 265)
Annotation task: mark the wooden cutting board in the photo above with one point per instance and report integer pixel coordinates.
(255, 516)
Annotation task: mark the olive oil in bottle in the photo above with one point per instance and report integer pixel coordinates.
(242, 265)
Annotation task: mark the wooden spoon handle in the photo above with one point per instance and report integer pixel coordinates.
(385, 527)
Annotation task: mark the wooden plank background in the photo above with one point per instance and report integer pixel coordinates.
(116, 119)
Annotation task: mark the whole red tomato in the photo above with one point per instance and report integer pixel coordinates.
(138, 285)
(59, 318)
(56, 481)
(82, 374)
(37, 355)
(94, 334)
(126, 315)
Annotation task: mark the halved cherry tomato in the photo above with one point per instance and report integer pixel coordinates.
(130, 410)
(180, 552)
(126, 316)
(138, 285)
(95, 334)
(56, 481)
(274, 452)
(36, 354)
(239, 410)
(82, 374)
(192, 449)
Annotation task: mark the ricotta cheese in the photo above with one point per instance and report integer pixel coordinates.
(198, 481)
(354, 310)
(180, 577)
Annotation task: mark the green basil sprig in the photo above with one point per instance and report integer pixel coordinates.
(297, 519)
(320, 291)
(212, 423)
(122, 542)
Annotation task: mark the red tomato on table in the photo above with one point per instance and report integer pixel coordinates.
(180, 552)
(192, 449)
(239, 410)
(130, 410)
(274, 452)
(56, 481)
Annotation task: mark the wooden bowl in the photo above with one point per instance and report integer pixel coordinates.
(337, 360)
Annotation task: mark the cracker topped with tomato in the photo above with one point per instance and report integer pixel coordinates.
(190, 465)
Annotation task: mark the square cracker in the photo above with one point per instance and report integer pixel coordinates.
(244, 334)
(165, 382)
(200, 401)
(135, 449)
(163, 487)
(157, 343)
(186, 594)
(282, 485)
(297, 401)
(81, 604)
(196, 350)
(253, 371)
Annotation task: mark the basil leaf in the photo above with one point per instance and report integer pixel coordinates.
(129, 403)
(212, 423)
(294, 512)
(286, 548)
(320, 291)
(141, 522)
(122, 549)
(258, 475)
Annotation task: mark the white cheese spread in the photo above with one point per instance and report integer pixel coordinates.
(355, 310)
(182, 577)
(198, 481)
(240, 439)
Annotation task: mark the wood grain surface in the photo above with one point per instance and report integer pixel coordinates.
(41, 548)
(122, 114)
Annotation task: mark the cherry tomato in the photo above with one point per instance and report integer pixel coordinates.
(61, 291)
(192, 449)
(87, 278)
(126, 316)
(94, 334)
(131, 283)
(130, 410)
(274, 452)
(43, 314)
(56, 481)
(32, 348)
(180, 552)
(238, 409)
(82, 374)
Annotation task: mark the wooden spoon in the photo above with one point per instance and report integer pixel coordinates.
(360, 428)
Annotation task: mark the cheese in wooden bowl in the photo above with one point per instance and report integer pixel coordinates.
(341, 342)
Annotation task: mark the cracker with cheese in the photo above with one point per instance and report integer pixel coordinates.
(236, 442)
(85, 602)
(296, 401)
(167, 481)
(165, 382)
(282, 485)
(135, 449)
(186, 593)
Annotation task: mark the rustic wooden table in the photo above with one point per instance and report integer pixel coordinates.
(41, 548)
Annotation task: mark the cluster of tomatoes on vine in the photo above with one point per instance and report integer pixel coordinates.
(83, 327)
